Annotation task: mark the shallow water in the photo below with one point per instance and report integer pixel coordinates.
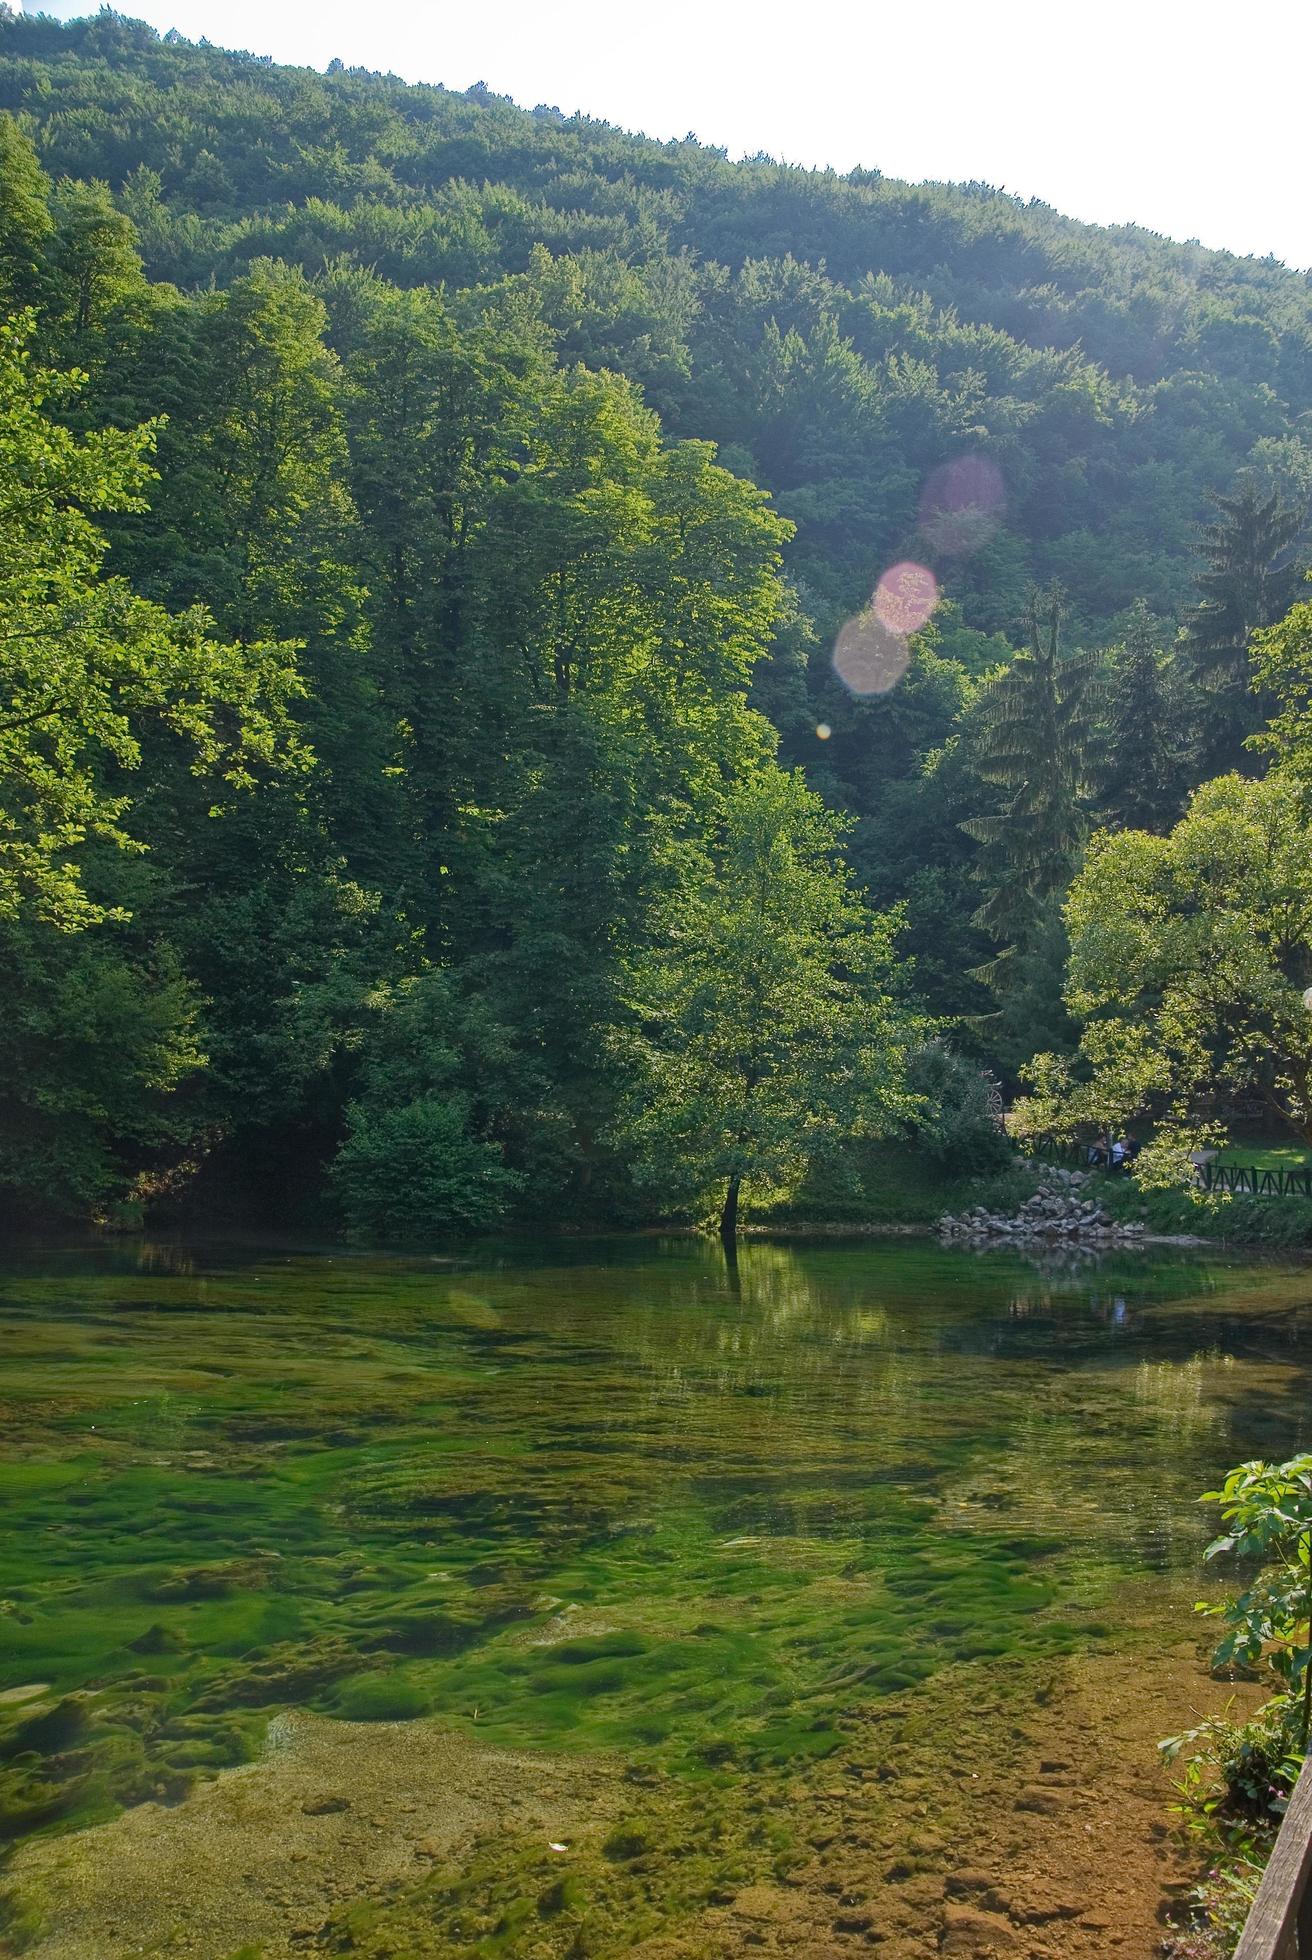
(603, 1496)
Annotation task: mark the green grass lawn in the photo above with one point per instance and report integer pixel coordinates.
(1268, 1153)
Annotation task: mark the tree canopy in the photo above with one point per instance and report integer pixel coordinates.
(1190, 956)
(522, 686)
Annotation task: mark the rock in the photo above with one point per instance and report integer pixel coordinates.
(979, 1889)
(967, 1883)
(1038, 1911)
(968, 1931)
(1044, 1803)
(1056, 1212)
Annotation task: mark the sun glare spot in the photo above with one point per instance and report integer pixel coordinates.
(869, 658)
(905, 597)
(823, 730)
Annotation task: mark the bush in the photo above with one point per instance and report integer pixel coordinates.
(1258, 1760)
(957, 1129)
(1266, 1510)
(1275, 1223)
(415, 1172)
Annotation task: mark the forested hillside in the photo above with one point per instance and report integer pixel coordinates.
(428, 526)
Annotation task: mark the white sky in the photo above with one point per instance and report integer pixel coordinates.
(1181, 115)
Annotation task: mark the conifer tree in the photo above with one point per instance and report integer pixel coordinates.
(1036, 736)
(1149, 733)
(1249, 582)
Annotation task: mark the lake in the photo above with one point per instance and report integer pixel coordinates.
(595, 1596)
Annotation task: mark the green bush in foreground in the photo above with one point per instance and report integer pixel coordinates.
(1237, 1782)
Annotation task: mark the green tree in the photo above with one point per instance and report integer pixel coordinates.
(25, 221)
(764, 1028)
(1035, 734)
(568, 613)
(1249, 582)
(255, 516)
(96, 287)
(1149, 732)
(1283, 671)
(1190, 954)
(101, 1034)
(420, 1156)
(88, 669)
(284, 906)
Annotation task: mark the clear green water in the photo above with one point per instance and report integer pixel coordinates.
(590, 1495)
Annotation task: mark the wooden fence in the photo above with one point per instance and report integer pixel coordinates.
(1255, 1182)
(1280, 1924)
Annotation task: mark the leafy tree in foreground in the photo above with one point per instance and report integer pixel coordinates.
(1267, 1508)
(86, 667)
(764, 1026)
(1189, 957)
(1283, 670)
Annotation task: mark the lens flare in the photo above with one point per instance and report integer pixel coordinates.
(905, 597)
(823, 730)
(869, 658)
(962, 503)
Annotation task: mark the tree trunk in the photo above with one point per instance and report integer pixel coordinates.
(729, 1216)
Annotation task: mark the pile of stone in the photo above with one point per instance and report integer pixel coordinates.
(1059, 1213)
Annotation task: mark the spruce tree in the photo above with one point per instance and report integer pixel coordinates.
(1149, 732)
(1249, 582)
(1036, 736)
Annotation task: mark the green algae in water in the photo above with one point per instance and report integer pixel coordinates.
(624, 1500)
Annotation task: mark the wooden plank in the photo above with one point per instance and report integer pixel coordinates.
(1278, 1926)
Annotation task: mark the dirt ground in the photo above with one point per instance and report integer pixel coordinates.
(1063, 1850)
(1031, 1825)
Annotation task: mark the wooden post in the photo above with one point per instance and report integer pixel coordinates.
(1280, 1925)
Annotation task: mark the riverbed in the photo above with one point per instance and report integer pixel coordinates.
(595, 1597)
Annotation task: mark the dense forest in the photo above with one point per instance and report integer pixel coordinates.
(553, 676)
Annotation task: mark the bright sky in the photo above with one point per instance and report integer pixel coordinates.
(1181, 115)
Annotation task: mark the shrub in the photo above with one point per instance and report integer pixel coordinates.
(414, 1171)
(957, 1128)
(1275, 1223)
